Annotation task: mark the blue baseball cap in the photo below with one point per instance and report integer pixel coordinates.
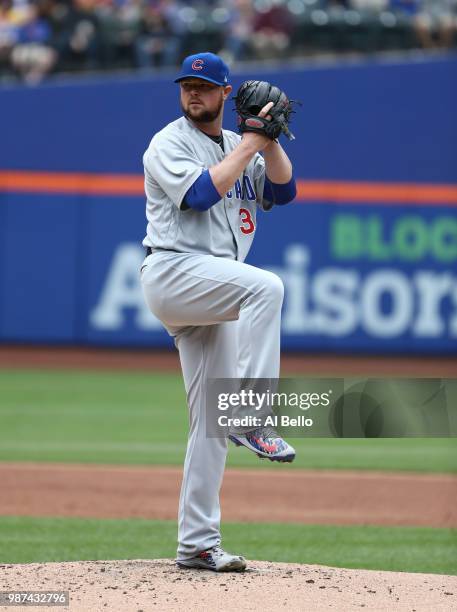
(206, 66)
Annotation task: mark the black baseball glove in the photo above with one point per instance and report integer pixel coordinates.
(251, 97)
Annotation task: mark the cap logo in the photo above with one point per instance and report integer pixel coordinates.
(197, 64)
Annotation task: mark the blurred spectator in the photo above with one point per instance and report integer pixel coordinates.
(237, 42)
(373, 6)
(12, 16)
(407, 7)
(366, 26)
(33, 57)
(436, 23)
(120, 25)
(161, 34)
(78, 39)
(271, 30)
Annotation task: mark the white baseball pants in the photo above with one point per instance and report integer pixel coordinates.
(225, 316)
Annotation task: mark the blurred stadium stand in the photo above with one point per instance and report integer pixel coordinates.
(42, 37)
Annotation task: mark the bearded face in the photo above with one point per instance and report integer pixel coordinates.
(201, 101)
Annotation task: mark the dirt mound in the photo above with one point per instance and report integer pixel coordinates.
(142, 585)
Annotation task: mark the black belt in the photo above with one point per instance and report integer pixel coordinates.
(149, 250)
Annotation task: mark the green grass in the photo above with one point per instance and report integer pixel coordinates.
(141, 418)
(408, 549)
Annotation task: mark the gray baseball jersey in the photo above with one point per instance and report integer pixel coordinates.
(175, 158)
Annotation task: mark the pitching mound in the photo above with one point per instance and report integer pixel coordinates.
(159, 585)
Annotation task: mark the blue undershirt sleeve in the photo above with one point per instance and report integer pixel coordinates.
(279, 194)
(202, 194)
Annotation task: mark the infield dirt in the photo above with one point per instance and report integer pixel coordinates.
(300, 496)
(61, 357)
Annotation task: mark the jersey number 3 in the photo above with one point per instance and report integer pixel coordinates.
(247, 224)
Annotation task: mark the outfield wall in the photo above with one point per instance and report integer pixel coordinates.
(368, 252)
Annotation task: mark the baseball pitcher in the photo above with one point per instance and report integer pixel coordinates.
(204, 185)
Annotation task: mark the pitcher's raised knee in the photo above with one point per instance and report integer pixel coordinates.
(272, 288)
